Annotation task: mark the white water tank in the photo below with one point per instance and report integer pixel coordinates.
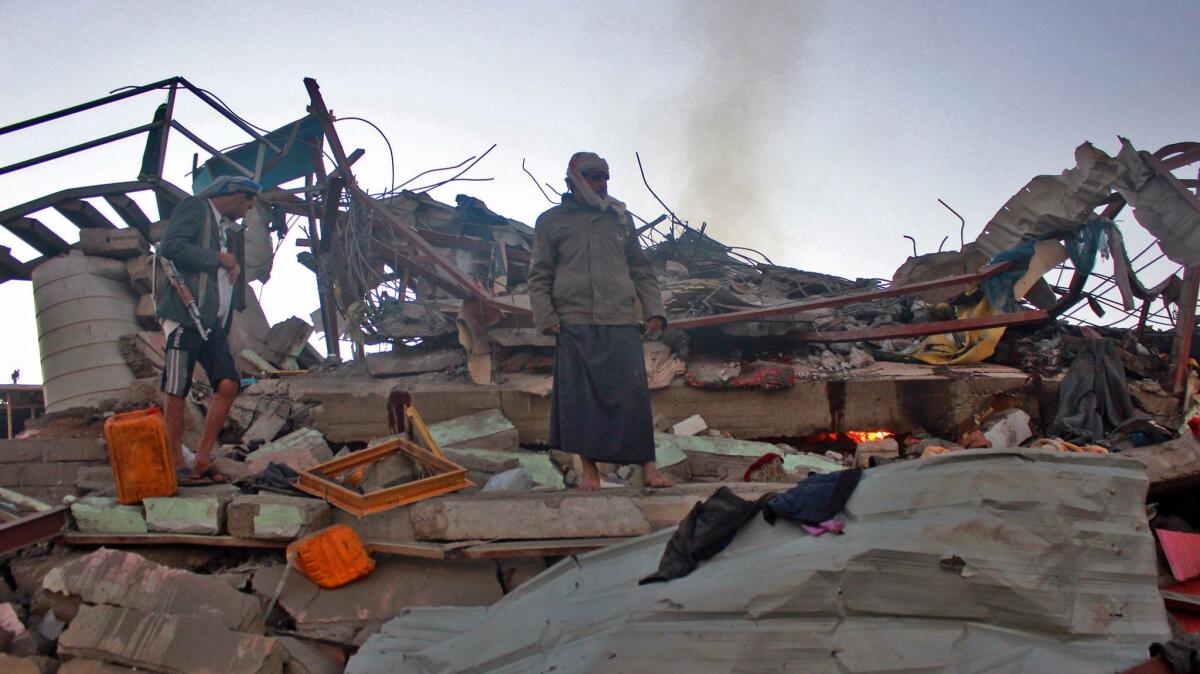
(84, 305)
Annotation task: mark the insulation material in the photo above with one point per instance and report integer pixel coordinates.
(1050, 204)
(1166, 210)
(988, 560)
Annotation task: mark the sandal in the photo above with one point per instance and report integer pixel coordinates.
(188, 477)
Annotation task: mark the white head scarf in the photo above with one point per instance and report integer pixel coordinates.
(583, 162)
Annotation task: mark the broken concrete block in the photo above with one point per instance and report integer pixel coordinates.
(11, 625)
(352, 612)
(121, 244)
(29, 643)
(285, 341)
(400, 363)
(269, 418)
(392, 470)
(275, 517)
(11, 664)
(147, 313)
(693, 425)
(141, 273)
(306, 659)
(95, 478)
(28, 572)
(492, 461)
(119, 578)
(300, 450)
(163, 642)
(532, 516)
(886, 448)
(516, 479)
(482, 430)
(1008, 428)
(185, 514)
(235, 470)
(103, 515)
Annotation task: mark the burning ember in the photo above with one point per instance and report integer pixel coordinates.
(842, 442)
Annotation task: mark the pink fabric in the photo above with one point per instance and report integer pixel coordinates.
(826, 527)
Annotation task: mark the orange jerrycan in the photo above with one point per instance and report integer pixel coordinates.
(331, 557)
(137, 451)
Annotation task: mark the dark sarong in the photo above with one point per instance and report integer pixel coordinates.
(600, 407)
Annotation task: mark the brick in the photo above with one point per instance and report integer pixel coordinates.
(21, 451)
(124, 579)
(95, 478)
(49, 474)
(10, 474)
(121, 244)
(102, 515)
(81, 449)
(141, 273)
(272, 517)
(185, 514)
(162, 642)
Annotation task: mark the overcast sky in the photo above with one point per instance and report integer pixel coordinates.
(818, 133)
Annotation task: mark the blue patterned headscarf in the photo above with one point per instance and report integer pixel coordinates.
(230, 185)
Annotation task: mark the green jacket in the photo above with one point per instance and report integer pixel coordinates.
(192, 240)
(588, 269)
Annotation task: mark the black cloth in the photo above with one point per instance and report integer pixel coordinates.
(1182, 653)
(707, 530)
(600, 407)
(1093, 398)
(278, 478)
(185, 348)
(815, 500)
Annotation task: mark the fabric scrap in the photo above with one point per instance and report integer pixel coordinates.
(816, 499)
(707, 530)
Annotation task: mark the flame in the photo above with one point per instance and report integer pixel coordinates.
(867, 436)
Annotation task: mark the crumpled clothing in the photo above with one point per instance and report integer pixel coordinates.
(816, 499)
(1064, 446)
(1093, 398)
(707, 530)
(826, 527)
(278, 478)
(1181, 653)
(960, 348)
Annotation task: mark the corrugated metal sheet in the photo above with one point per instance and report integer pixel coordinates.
(1167, 211)
(1052, 203)
(987, 560)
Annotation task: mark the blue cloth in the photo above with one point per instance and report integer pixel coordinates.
(230, 185)
(1082, 246)
(815, 499)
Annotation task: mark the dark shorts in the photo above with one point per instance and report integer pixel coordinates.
(185, 348)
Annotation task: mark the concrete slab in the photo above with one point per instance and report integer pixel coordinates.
(301, 449)
(483, 430)
(10, 664)
(306, 659)
(534, 516)
(275, 517)
(103, 515)
(186, 514)
(492, 461)
(89, 666)
(119, 578)
(351, 613)
(163, 642)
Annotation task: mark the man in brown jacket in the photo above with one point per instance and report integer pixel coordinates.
(586, 282)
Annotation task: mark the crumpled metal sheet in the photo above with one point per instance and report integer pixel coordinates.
(1052, 203)
(981, 561)
(1168, 212)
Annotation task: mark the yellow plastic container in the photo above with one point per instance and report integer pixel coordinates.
(137, 451)
(331, 557)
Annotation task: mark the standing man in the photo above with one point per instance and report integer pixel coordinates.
(587, 277)
(197, 240)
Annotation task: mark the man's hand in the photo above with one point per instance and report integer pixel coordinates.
(229, 263)
(554, 329)
(654, 329)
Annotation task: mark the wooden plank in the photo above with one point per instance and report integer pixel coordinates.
(169, 539)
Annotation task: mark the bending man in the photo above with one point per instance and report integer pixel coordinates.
(587, 277)
(197, 240)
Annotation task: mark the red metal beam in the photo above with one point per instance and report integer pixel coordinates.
(922, 329)
(32, 529)
(839, 300)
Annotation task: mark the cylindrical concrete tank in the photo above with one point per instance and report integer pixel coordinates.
(84, 305)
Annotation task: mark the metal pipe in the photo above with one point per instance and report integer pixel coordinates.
(86, 106)
(228, 115)
(77, 148)
(212, 150)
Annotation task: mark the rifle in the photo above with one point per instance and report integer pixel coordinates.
(185, 294)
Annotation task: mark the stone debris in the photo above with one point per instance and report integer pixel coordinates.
(299, 450)
(275, 517)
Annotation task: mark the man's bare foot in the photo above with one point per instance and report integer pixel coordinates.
(591, 475)
(655, 479)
